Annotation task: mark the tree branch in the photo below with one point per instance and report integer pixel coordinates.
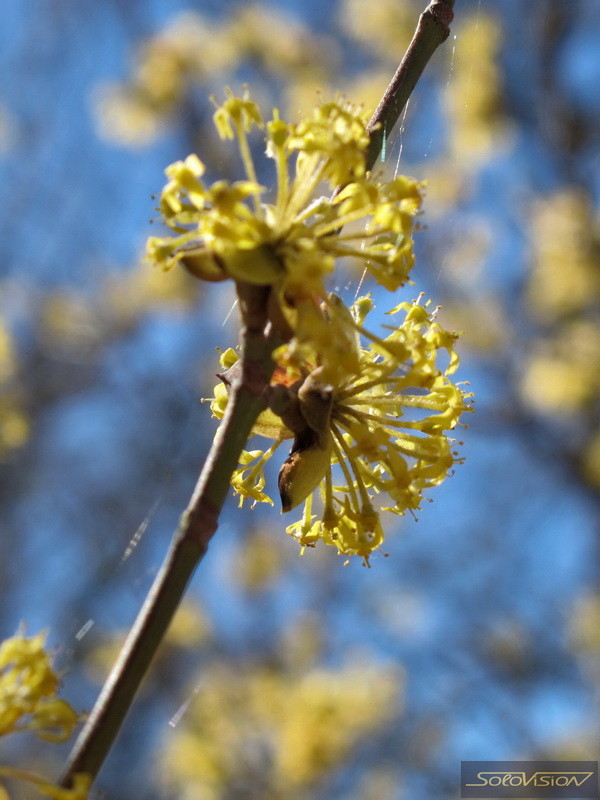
(247, 400)
(190, 541)
(433, 29)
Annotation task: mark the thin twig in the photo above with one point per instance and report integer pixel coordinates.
(433, 29)
(247, 399)
(190, 541)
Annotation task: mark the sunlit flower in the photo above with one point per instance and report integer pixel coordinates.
(374, 441)
(368, 415)
(28, 687)
(228, 230)
(29, 702)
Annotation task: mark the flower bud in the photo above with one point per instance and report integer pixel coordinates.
(301, 473)
(203, 265)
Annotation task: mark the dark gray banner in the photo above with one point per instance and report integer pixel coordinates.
(529, 780)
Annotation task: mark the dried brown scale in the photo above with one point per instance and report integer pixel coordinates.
(316, 403)
(283, 401)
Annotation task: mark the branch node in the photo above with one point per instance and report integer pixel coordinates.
(441, 13)
(199, 523)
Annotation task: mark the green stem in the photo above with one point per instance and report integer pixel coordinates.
(190, 541)
(432, 30)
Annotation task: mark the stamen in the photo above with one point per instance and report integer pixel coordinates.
(307, 514)
(283, 183)
(263, 460)
(248, 166)
(323, 228)
(364, 495)
(341, 461)
(304, 186)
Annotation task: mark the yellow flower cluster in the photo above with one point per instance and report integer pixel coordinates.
(294, 241)
(28, 702)
(225, 231)
(28, 686)
(377, 413)
(380, 430)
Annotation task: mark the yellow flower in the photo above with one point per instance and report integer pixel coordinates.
(28, 702)
(368, 415)
(249, 480)
(79, 790)
(382, 429)
(228, 230)
(28, 687)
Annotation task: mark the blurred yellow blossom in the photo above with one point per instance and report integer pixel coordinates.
(561, 375)
(189, 48)
(278, 730)
(484, 323)
(584, 633)
(7, 131)
(258, 562)
(193, 50)
(281, 44)
(474, 91)
(386, 27)
(190, 626)
(584, 625)
(14, 425)
(565, 244)
(591, 460)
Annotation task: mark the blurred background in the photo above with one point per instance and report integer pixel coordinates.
(288, 677)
